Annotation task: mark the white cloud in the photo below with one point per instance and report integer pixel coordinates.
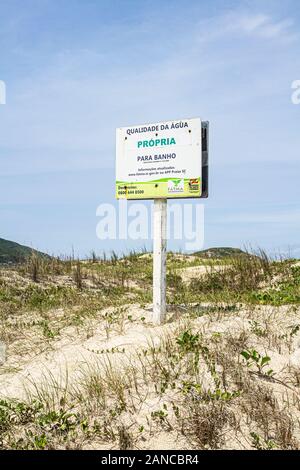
(248, 24)
(265, 27)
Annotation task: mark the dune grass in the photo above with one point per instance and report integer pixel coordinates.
(214, 387)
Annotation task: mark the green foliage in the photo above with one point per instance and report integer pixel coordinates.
(286, 295)
(220, 252)
(174, 281)
(257, 329)
(47, 331)
(188, 341)
(60, 421)
(40, 425)
(261, 444)
(13, 413)
(240, 275)
(191, 387)
(31, 441)
(252, 357)
(293, 330)
(287, 291)
(162, 417)
(77, 274)
(36, 297)
(194, 390)
(223, 395)
(160, 414)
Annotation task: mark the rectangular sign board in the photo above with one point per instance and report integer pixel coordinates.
(159, 160)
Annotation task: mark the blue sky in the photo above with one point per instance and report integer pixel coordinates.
(75, 70)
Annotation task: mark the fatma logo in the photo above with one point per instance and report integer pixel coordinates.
(2, 92)
(176, 186)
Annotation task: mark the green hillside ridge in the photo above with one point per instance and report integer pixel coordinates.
(221, 252)
(12, 252)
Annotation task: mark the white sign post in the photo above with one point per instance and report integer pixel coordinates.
(159, 260)
(160, 161)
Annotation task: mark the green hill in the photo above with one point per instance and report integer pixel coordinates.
(11, 252)
(221, 252)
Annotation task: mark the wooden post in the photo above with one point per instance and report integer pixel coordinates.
(159, 260)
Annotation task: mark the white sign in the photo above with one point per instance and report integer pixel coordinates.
(160, 160)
